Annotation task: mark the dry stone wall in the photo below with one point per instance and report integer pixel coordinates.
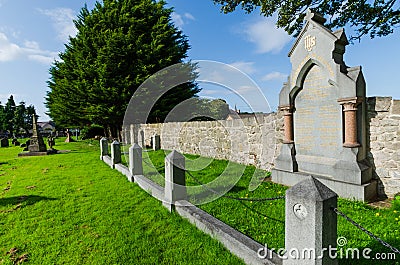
(251, 141)
(384, 128)
(256, 140)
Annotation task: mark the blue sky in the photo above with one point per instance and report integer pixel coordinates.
(32, 33)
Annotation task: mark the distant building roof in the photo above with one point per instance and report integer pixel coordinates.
(234, 115)
(46, 125)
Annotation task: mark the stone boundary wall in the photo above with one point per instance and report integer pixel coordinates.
(384, 128)
(257, 140)
(251, 141)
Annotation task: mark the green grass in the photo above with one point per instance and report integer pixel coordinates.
(265, 221)
(73, 209)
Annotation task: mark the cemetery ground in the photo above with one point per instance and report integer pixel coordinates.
(264, 221)
(73, 209)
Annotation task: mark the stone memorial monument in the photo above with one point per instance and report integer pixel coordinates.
(36, 144)
(324, 108)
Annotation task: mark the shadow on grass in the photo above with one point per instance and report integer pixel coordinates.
(26, 200)
(4, 163)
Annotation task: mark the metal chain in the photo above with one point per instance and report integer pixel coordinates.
(231, 197)
(366, 231)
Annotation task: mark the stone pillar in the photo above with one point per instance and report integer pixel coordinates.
(310, 224)
(288, 123)
(141, 136)
(115, 153)
(135, 161)
(156, 142)
(103, 147)
(175, 182)
(350, 121)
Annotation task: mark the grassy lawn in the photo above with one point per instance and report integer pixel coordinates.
(265, 221)
(73, 209)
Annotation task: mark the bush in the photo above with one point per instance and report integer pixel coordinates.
(92, 131)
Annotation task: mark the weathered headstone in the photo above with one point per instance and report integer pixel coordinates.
(175, 182)
(36, 142)
(103, 147)
(156, 142)
(115, 153)
(324, 110)
(135, 161)
(15, 142)
(51, 142)
(69, 138)
(26, 145)
(4, 142)
(310, 224)
(141, 139)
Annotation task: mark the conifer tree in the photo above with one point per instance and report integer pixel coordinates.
(119, 44)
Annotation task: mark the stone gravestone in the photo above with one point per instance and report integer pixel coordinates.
(36, 142)
(4, 142)
(324, 110)
(69, 138)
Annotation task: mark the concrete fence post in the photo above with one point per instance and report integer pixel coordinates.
(311, 224)
(135, 161)
(175, 183)
(115, 153)
(156, 141)
(103, 147)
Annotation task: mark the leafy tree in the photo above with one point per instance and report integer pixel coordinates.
(118, 46)
(2, 118)
(199, 109)
(13, 117)
(28, 118)
(376, 18)
(9, 112)
(18, 120)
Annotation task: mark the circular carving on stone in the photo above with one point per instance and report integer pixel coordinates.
(300, 211)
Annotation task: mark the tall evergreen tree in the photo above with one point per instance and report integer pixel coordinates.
(120, 43)
(13, 117)
(2, 119)
(9, 113)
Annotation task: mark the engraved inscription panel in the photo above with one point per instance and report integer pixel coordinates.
(317, 119)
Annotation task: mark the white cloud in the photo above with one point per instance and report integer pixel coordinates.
(63, 21)
(177, 19)
(32, 45)
(10, 51)
(180, 20)
(265, 35)
(189, 16)
(246, 89)
(41, 58)
(275, 76)
(207, 92)
(247, 67)
(214, 76)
